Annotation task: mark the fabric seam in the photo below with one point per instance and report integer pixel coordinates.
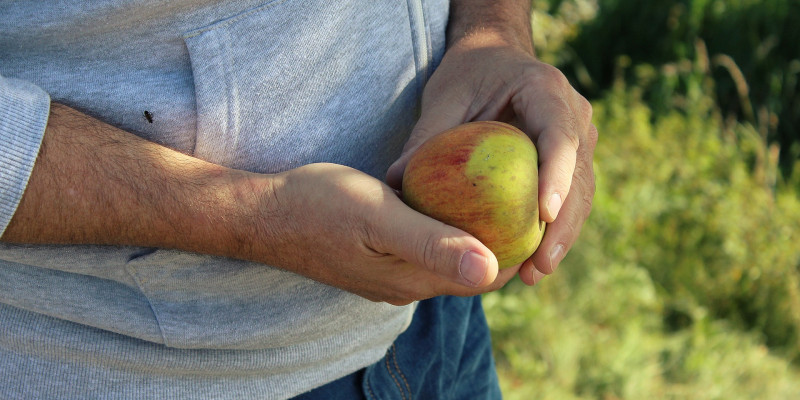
(232, 20)
(399, 371)
(416, 17)
(394, 378)
(131, 271)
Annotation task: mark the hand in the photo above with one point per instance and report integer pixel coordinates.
(344, 228)
(327, 222)
(483, 76)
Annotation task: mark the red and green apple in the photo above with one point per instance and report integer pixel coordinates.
(481, 177)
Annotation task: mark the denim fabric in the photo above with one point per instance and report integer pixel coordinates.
(445, 354)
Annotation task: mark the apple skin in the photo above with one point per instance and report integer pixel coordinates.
(480, 177)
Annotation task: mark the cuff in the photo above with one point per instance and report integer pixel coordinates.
(24, 110)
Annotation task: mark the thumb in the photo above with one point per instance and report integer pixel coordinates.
(448, 252)
(433, 120)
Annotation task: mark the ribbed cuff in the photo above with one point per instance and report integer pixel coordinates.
(24, 109)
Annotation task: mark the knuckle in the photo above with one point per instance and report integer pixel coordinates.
(542, 75)
(574, 224)
(589, 186)
(553, 75)
(584, 107)
(593, 136)
(569, 132)
(587, 205)
(427, 253)
(430, 250)
(588, 199)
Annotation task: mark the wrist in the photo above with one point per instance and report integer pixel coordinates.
(491, 23)
(252, 217)
(95, 184)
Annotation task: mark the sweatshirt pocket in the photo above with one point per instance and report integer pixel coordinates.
(295, 82)
(285, 84)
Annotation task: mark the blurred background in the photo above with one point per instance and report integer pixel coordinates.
(684, 283)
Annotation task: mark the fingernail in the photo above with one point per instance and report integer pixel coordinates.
(554, 204)
(473, 267)
(537, 276)
(556, 254)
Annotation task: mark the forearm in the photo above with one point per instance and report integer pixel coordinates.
(507, 20)
(95, 184)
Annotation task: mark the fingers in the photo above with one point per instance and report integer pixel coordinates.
(558, 119)
(564, 231)
(529, 274)
(441, 110)
(427, 286)
(503, 277)
(557, 156)
(560, 123)
(427, 126)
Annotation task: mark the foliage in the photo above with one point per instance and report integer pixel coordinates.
(603, 337)
(750, 48)
(684, 283)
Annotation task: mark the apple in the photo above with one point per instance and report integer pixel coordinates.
(480, 177)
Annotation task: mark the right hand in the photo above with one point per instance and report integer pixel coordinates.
(342, 227)
(327, 222)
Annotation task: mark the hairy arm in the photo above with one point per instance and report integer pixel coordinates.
(95, 184)
(506, 20)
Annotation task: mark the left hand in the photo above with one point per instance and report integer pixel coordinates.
(484, 76)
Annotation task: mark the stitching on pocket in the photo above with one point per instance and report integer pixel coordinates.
(232, 20)
(131, 271)
(399, 371)
(394, 378)
(369, 387)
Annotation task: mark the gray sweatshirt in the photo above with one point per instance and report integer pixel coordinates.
(264, 86)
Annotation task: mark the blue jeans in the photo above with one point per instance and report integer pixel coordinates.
(445, 354)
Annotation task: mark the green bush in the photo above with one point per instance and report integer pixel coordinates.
(684, 283)
(691, 202)
(750, 46)
(604, 338)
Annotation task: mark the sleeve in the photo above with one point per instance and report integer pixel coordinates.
(24, 110)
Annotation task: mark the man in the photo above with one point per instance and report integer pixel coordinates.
(192, 205)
